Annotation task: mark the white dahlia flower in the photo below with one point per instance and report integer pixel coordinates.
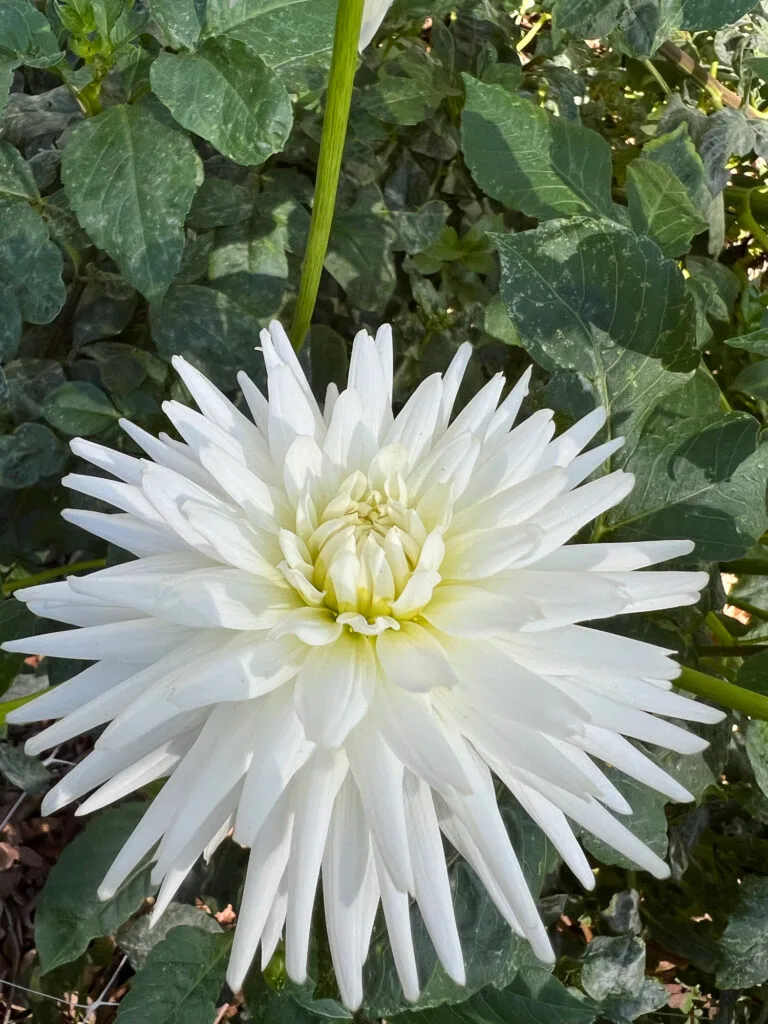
(340, 625)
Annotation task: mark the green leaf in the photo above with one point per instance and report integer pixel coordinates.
(757, 749)
(79, 408)
(218, 203)
(676, 151)
(25, 773)
(16, 179)
(659, 206)
(26, 36)
(16, 621)
(753, 380)
(755, 341)
(138, 939)
(105, 308)
(530, 999)
(613, 967)
(10, 324)
(753, 675)
(531, 161)
(181, 980)
(709, 14)
(624, 1009)
(406, 91)
(70, 913)
(743, 959)
(359, 255)
(648, 821)
(32, 451)
(30, 264)
(227, 94)
(209, 330)
(419, 230)
(131, 180)
(6, 78)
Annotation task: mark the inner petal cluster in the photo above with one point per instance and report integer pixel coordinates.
(366, 555)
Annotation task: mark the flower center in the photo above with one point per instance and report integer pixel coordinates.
(366, 555)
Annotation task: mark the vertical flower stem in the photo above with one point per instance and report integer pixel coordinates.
(349, 16)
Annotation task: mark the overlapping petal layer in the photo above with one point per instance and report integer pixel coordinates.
(339, 626)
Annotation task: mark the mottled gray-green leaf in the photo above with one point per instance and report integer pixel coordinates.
(755, 341)
(10, 324)
(131, 180)
(359, 255)
(544, 1000)
(624, 1009)
(180, 981)
(181, 20)
(753, 674)
(647, 821)
(78, 407)
(405, 92)
(25, 773)
(743, 950)
(138, 939)
(613, 966)
(16, 179)
(753, 380)
(529, 159)
(70, 913)
(210, 330)
(676, 150)
(26, 37)
(227, 94)
(30, 264)
(218, 203)
(703, 14)
(659, 206)
(30, 452)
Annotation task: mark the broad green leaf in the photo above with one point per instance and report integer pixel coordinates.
(757, 748)
(106, 307)
(25, 773)
(30, 264)
(755, 341)
(529, 159)
(583, 295)
(218, 203)
(16, 178)
(624, 1009)
(359, 255)
(647, 821)
(227, 94)
(703, 14)
(753, 675)
(743, 949)
(16, 621)
(209, 330)
(6, 77)
(659, 206)
(406, 91)
(137, 939)
(10, 324)
(419, 230)
(613, 967)
(676, 150)
(26, 37)
(544, 1000)
(131, 180)
(32, 451)
(181, 20)
(180, 981)
(79, 408)
(753, 380)
(493, 954)
(70, 913)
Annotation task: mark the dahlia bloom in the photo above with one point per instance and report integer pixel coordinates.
(340, 625)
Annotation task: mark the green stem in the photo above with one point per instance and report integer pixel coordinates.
(349, 17)
(753, 704)
(718, 629)
(748, 222)
(655, 73)
(53, 574)
(11, 705)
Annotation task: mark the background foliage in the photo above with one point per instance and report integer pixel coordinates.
(581, 184)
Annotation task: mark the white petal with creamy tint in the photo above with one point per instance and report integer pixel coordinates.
(343, 629)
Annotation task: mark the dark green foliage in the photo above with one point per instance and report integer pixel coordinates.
(504, 182)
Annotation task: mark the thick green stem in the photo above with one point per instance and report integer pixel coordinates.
(52, 574)
(349, 18)
(726, 694)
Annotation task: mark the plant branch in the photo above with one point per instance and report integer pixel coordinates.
(52, 574)
(719, 92)
(726, 694)
(349, 16)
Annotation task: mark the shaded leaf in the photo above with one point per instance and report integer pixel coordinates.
(359, 255)
(79, 408)
(647, 821)
(25, 773)
(613, 966)
(138, 939)
(743, 953)
(26, 37)
(32, 451)
(659, 206)
(30, 264)
(180, 981)
(70, 913)
(10, 324)
(131, 181)
(16, 178)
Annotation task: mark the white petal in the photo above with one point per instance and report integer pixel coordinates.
(413, 658)
(333, 689)
(373, 15)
